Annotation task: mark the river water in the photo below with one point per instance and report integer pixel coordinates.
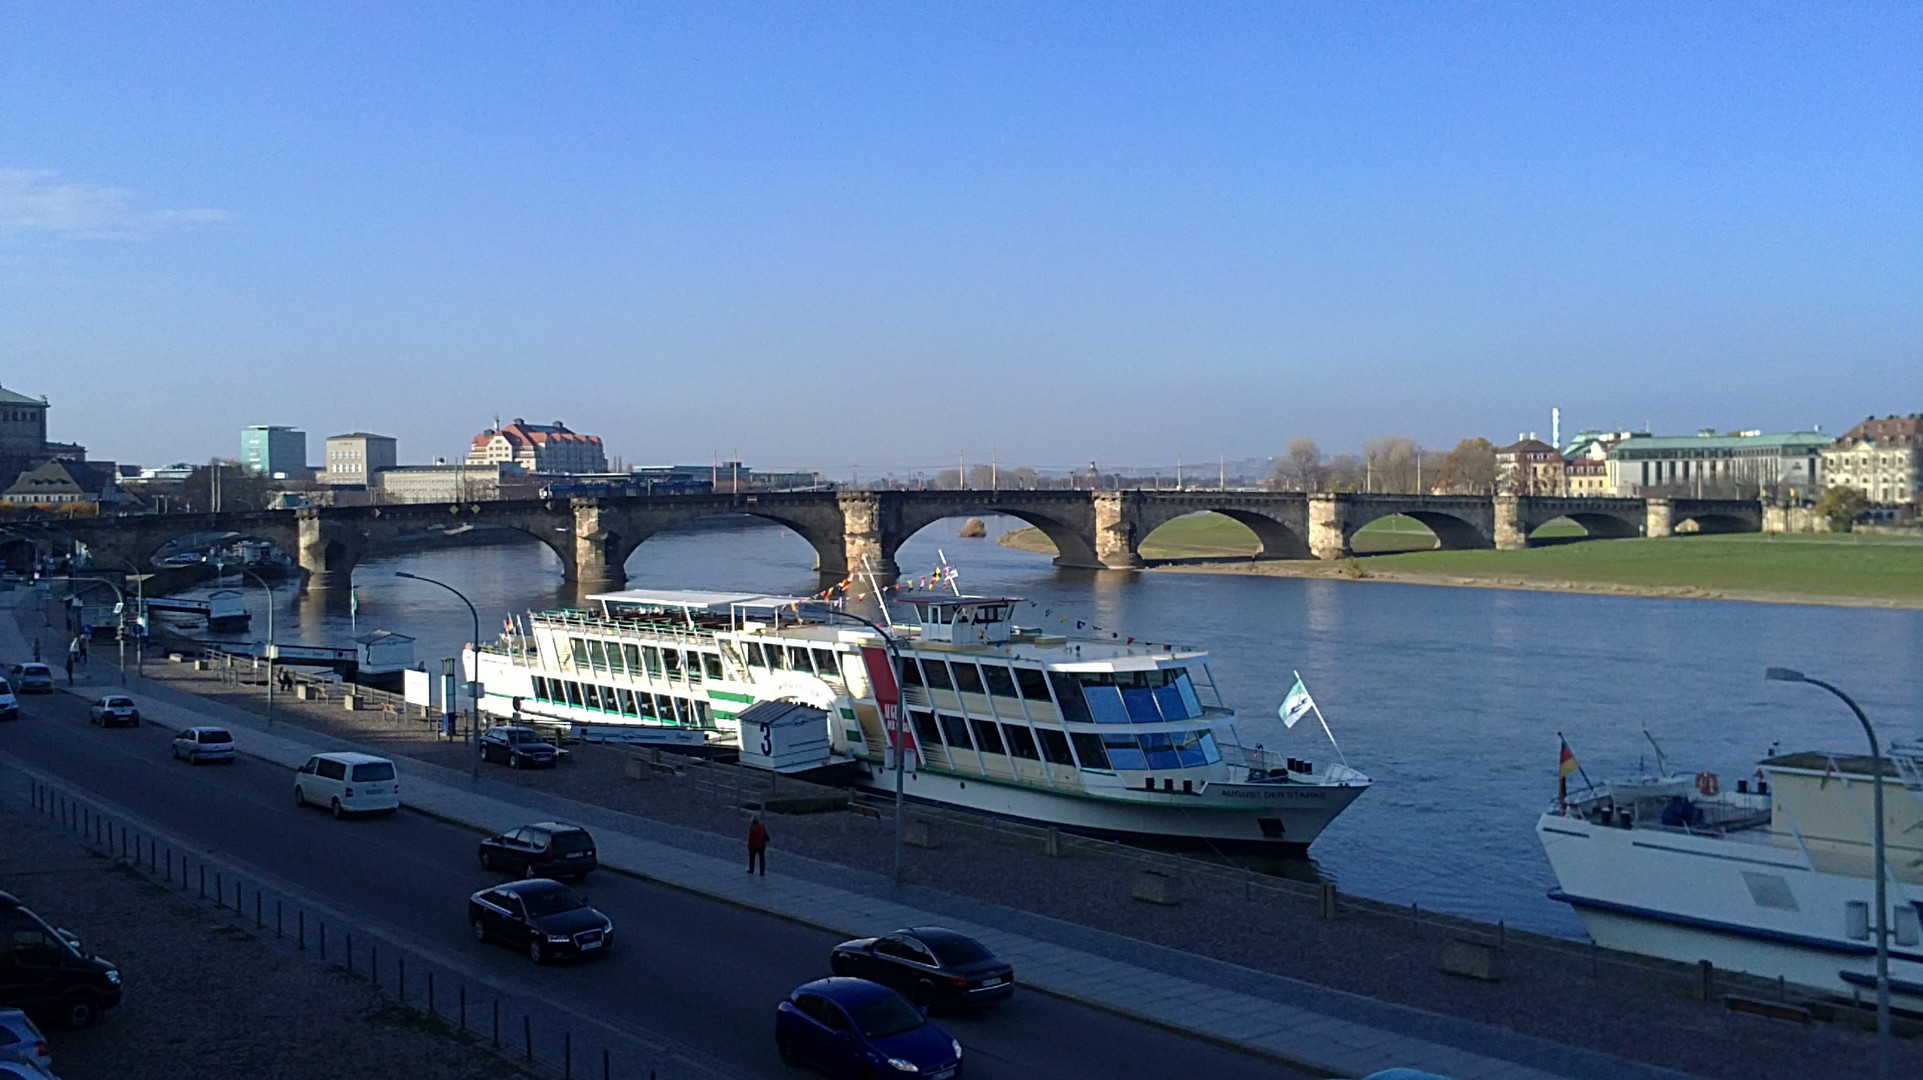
(1450, 698)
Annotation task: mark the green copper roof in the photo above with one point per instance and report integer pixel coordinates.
(8, 397)
(1793, 439)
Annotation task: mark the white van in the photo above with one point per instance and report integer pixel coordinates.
(348, 783)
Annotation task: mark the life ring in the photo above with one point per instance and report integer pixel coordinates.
(1706, 783)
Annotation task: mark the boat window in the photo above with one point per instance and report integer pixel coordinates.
(631, 653)
(1124, 753)
(798, 658)
(1020, 742)
(580, 651)
(1069, 693)
(1159, 748)
(968, 677)
(693, 672)
(1088, 747)
(574, 693)
(1055, 746)
(825, 664)
(1141, 706)
(701, 714)
(988, 736)
(665, 708)
(910, 672)
(1105, 704)
(754, 655)
(937, 673)
(540, 688)
(1000, 682)
(653, 657)
(1187, 690)
(671, 662)
(626, 700)
(925, 729)
(1209, 753)
(1033, 686)
(597, 654)
(644, 705)
(712, 661)
(1188, 749)
(601, 697)
(955, 731)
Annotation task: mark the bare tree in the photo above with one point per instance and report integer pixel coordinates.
(1300, 467)
(1344, 472)
(1390, 464)
(1469, 469)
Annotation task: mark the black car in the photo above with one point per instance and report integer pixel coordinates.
(44, 973)
(546, 849)
(518, 748)
(934, 967)
(543, 917)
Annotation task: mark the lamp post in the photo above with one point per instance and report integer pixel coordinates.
(140, 618)
(271, 652)
(474, 684)
(1777, 674)
(901, 725)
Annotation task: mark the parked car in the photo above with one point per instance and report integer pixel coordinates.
(48, 976)
(20, 1070)
(197, 744)
(20, 1040)
(857, 1028)
(519, 748)
(542, 917)
(9, 705)
(114, 710)
(546, 849)
(935, 967)
(31, 679)
(348, 783)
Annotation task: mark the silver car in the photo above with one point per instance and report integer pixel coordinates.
(114, 710)
(21, 1041)
(197, 744)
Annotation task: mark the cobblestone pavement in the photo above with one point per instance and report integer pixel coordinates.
(206, 998)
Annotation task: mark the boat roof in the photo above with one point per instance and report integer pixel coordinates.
(933, 597)
(696, 599)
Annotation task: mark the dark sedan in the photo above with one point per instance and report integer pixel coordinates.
(855, 1028)
(937, 968)
(544, 918)
(546, 849)
(518, 748)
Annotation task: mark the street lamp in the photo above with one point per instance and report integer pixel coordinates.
(271, 652)
(140, 618)
(120, 615)
(474, 684)
(901, 726)
(1777, 674)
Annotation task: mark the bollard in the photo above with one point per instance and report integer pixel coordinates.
(203, 881)
(604, 1063)
(123, 841)
(277, 924)
(1326, 903)
(350, 952)
(567, 1055)
(497, 1023)
(323, 941)
(257, 922)
(303, 929)
(527, 1036)
(1705, 979)
(151, 864)
(239, 895)
(170, 866)
(220, 891)
(430, 992)
(400, 981)
(374, 963)
(1502, 935)
(1594, 959)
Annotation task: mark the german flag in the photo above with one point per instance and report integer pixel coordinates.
(1564, 767)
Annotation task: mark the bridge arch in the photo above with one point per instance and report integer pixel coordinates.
(618, 545)
(1602, 526)
(1073, 546)
(1274, 537)
(1715, 522)
(1453, 532)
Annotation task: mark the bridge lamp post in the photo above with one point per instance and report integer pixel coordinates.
(901, 726)
(1777, 674)
(474, 684)
(272, 653)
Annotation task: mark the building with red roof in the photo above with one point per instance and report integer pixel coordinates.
(539, 448)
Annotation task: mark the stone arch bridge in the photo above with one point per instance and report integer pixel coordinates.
(858, 531)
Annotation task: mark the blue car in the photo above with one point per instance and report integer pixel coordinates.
(855, 1028)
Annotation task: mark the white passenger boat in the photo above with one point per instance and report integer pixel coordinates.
(1773, 878)
(1097, 736)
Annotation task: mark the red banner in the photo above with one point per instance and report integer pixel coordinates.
(881, 675)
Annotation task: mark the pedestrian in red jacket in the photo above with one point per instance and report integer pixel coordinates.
(757, 846)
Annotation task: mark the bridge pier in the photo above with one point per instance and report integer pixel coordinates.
(1510, 534)
(1115, 532)
(1328, 539)
(599, 555)
(865, 537)
(1661, 520)
(328, 548)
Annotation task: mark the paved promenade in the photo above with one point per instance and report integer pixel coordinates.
(1310, 1027)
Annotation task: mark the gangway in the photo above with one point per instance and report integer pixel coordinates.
(223, 609)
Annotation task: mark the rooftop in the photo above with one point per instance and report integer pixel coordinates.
(1809, 439)
(8, 397)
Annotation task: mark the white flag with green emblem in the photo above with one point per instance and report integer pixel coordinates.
(1297, 705)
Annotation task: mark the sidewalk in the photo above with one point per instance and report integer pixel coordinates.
(1306, 1026)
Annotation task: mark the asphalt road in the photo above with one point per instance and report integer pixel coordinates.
(705, 974)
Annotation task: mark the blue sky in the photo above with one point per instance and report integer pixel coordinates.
(888, 235)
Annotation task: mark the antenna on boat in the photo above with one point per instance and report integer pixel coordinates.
(947, 571)
(1662, 763)
(880, 600)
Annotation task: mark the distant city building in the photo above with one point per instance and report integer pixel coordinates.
(53, 483)
(355, 458)
(455, 483)
(1880, 459)
(1529, 466)
(275, 451)
(1742, 464)
(1586, 477)
(23, 430)
(539, 448)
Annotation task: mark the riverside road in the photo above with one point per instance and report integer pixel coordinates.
(701, 973)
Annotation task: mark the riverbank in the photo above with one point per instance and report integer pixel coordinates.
(1835, 569)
